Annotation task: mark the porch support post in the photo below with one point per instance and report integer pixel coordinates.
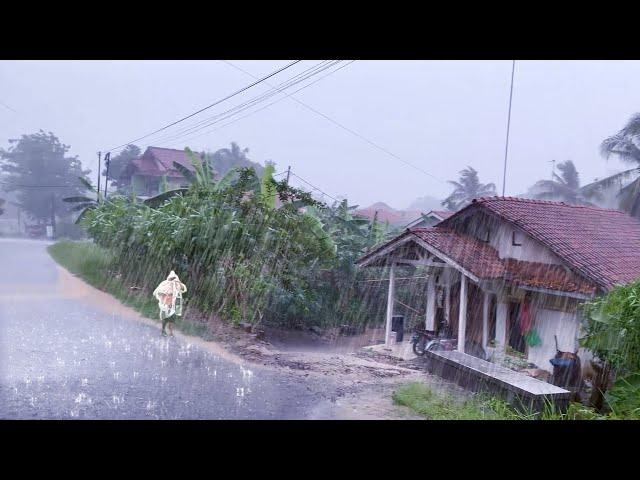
(485, 320)
(447, 300)
(501, 324)
(430, 323)
(390, 303)
(462, 319)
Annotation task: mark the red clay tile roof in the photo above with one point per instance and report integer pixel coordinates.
(444, 214)
(544, 275)
(482, 260)
(601, 244)
(473, 255)
(158, 161)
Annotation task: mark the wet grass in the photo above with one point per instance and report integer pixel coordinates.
(84, 259)
(93, 264)
(437, 405)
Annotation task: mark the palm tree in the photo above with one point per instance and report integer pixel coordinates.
(466, 189)
(564, 187)
(624, 145)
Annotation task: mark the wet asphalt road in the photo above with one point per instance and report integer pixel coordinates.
(66, 358)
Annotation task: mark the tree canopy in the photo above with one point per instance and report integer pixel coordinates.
(37, 167)
(623, 145)
(466, 189)
(564, 187)
(118, 163)
(225, 159)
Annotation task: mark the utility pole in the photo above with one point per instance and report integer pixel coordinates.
(288, 173)
(99, 157)
(53, 216)
(107, 161)
(553, 168)
(506, 148)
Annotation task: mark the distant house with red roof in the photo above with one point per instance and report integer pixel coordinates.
(384, 213)
(430, 219)
(145, 173)
(509, 273)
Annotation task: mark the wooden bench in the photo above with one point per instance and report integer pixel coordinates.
(519, 390)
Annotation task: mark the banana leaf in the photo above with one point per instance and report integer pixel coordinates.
(188, 174)
(159, 199)
(78, 199)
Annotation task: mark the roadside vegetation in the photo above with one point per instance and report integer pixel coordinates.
(438, 405)
(250, 250)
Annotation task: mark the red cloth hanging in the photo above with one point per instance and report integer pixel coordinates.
(526, 317)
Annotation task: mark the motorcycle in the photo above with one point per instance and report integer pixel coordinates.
(426, 340)
(420, 339)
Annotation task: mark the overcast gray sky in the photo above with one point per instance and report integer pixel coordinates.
(438, 115)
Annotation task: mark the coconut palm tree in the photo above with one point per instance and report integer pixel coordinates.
(466, 189)
(564, 187)
(624, 145)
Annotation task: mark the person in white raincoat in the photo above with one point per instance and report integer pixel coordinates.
(169, 296)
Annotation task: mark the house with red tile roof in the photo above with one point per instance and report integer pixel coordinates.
(145, 173)
(509, 274)
(429, 219)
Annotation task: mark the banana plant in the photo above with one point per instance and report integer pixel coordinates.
(268, 190)
(85, 204)
(203, 179)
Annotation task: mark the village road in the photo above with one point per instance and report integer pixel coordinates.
(64, 356)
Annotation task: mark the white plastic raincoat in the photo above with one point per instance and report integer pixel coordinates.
(169, 295)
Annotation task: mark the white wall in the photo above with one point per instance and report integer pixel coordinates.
(531, 250)
(566, 325)
(500, 238)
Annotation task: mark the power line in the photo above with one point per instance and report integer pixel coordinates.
(269, 104)
(350, 130)
(249, 103)
(209, 106)
(288, 83)
(7, 106)
(314, 187)
(506, 147)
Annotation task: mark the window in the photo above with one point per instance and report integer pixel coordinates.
(516, 239)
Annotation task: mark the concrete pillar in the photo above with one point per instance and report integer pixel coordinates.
(430, 320)
(462, 319)
(485, 319)
(390, 303)
(502, 312)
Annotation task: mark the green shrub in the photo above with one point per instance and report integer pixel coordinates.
(612, 333)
